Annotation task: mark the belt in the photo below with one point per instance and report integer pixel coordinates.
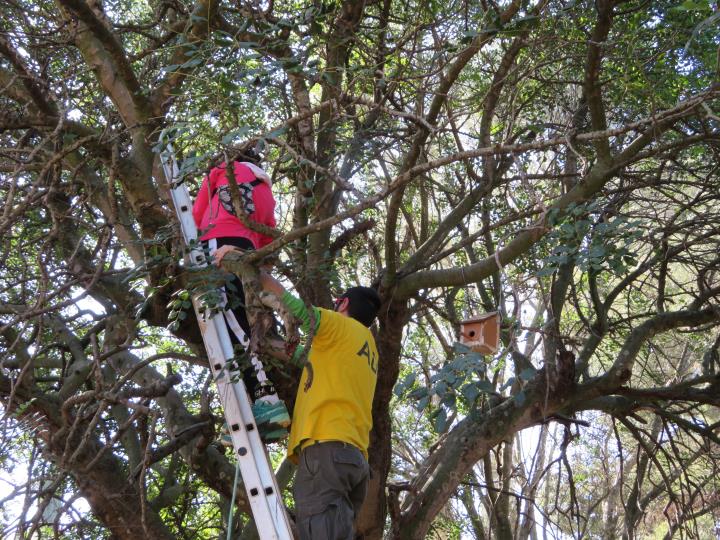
(310, 442)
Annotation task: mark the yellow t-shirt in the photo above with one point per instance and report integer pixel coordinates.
(334, 399)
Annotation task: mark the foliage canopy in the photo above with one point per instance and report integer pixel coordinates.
(553, 160)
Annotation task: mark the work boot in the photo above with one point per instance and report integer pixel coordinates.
(270, 416)
(268, 434)
(273, 435)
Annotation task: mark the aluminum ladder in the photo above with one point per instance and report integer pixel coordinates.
(266, 503)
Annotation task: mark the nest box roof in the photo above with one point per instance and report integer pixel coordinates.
(480, 318)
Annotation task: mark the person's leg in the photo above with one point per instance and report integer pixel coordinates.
(236, 300)
(271, 415)
(237, 297)
(359, 491)
(329, 482)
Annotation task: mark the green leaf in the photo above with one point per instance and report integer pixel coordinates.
(468, 36)
(277, 132)
(24, 406)
(440, 421)
(597, 252)
(690, 5)
(546, 271)
(420, 405)
(485, 386)
(450, 401)
(508, 383)
(470, 392)
(418, 393)
(193, 62)
(403, 385)
(474, 357)
(529, 21)
(527, 374)
(460, 348)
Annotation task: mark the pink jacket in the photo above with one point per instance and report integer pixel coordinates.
(211, 217)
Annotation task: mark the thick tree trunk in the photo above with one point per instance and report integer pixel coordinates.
(393, 317)
(502, 503)
(102, 481)
(117, 503)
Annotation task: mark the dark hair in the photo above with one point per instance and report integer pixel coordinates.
(249, 154)
(245, 152)
(364, 304)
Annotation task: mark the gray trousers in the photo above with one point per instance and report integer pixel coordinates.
(330, 485)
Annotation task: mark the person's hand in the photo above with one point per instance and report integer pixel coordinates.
(222, 251)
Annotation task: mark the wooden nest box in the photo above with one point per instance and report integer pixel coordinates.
(482, 333)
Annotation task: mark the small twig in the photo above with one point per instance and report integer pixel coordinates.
(141, 479)
(182, 437)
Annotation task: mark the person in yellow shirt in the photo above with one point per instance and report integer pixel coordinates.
(331, 422)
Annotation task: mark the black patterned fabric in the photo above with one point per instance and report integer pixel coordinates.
(246, 197)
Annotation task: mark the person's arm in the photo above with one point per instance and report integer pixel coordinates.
(201, 202)
(294, 304)
(270, 284)
(224, 250)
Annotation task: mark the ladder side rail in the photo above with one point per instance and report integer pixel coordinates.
(259, 479)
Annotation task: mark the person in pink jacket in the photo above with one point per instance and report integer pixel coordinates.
(219, 226)
(213, 211)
